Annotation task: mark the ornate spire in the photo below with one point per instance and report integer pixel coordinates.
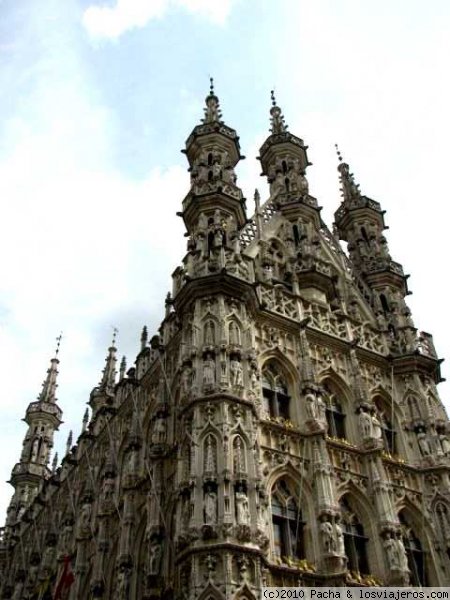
(213, 113)
(123, 368)
(69, 442)
(277, 124)
(48, 393)
(109, 372)
(144, 337)
(54, 462)
(350, 189)
(85, 420)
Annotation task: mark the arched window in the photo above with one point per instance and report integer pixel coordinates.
(296, 233)
(287, 523)
(384, 304)
(414, 552)
(335, 414)
(275, 393)
(355, 540)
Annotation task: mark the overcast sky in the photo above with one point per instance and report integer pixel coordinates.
(96, 101)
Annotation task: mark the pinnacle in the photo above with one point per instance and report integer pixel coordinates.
(277, 124)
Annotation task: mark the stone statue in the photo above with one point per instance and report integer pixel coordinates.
(209, 334)
(401, 554)
(445, 444)
(209, 375)
(186, 380)
(311, 406)
(338, 539)
(321, 409)
(236, 373)
(155, 554)
(326, 536)
(84, 523)
(34, 450)
(376, 427)
(423, 444)
(391, 550)
(159, 430)
(122, 583)
(242, 509)
(210, 507)
(366, 424)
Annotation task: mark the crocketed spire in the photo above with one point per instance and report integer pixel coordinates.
(108, 380)
(48, 393)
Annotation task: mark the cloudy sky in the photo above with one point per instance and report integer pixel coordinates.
(96, 100)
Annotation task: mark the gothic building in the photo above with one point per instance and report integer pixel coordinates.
(281, 428)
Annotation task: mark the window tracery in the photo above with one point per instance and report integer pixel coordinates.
(355, 539)
(276, 398)
(414, 552)
(287, 523)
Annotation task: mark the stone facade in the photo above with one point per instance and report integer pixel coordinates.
(283, 427)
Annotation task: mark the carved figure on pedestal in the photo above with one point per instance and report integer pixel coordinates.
(155, 554)
(377, 432)
(209, 374)
(210, 507)
(321, 409)
(401, 554)
(236, 373)
(326, 536)
(242, 508)
(390, 547)
(186, 380)
(311, 406)
(445, 444)
(338, 539)
(424, 444)
(123, 586)
(365, 424)
(84, 522)
(159, 430)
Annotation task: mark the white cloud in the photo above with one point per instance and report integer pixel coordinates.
(111, 22)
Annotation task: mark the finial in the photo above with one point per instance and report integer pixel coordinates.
(123, 368)
(144, 337)
(85, 420)
(350, 189)
(212, 110)
(277, 119)
(108, 380)
(272, 97)
(54, 462)
(58, 344)
(69, 442)
(49, 385)
(257, 199)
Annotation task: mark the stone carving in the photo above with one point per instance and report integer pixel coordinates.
(236, 373)
(159, 430)
(242, 508)
(338, 539)
(376, 427)
(326, 535)
(155, 555)
(424, 444)
(209, 372)
(210, 507)
(365, 424)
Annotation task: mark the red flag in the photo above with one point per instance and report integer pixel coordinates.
(65, 581)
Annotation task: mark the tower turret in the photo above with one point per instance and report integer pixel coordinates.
(284, 161)
(360, 222)
(43, 418)
(213, 152)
